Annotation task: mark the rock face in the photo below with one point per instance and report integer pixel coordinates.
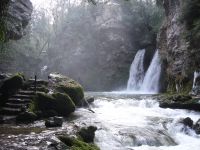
(16, 14)
(174, 48)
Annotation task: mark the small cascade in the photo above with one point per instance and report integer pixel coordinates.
(136, 72)
(196, 75)
(141, 82)
(152, 77)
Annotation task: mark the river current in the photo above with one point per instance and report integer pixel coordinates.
(124, 121)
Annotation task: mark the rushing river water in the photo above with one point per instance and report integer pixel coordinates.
(124, 121)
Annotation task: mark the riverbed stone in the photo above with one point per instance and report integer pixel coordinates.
(54, 122)
(87, 134)
(187, 122)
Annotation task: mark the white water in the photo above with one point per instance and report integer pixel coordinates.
(137, 123)
(136, 72)
(150, 82)
(152, 77)
(196, 74)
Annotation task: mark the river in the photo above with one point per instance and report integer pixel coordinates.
(124, 121)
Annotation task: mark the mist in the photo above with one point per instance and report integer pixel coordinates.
(94, 42)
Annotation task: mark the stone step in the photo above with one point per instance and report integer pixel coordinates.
(10, 111)
(19, 101)
(14, 105)
(22, 92)
(39, 81)
(21, 96)
(40, 89)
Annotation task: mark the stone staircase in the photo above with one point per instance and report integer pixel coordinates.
(19, 102)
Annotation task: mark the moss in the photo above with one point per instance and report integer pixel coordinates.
(58, 102)
(11, 85)
(64, 105)
(73, 89)
(76, 144)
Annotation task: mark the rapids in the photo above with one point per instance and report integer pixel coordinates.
(124, 121)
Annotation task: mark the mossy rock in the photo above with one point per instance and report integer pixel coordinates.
(64, 105)
(74, 90)
(11, 85)
(68, 86)
(60, 103)
(76, 144)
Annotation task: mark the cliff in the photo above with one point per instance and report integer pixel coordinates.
(177, 49)
(15, 16)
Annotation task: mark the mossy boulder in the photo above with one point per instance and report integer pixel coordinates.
(76, 144)
(58, 102)
(11, 85)
(68, 86)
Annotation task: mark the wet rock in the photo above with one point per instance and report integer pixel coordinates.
(87, 134)
(87, 101)
(179, 102)
(54, 122)
(16, 16)
(26, 117)
(196, 127)
(187, 122)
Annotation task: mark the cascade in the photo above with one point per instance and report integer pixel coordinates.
(136, 72)
(152, 77)
(144, 82)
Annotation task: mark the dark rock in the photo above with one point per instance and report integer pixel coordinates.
(87, 101)
(54, 122)
(16, 16)
(187, 122)
(87, 134)
(196, 127)
(11, 85)
(49, 113)
(26, 117)
(1, 120)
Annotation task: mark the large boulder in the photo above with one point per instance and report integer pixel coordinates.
(15, 16)
(11, 85)
(58, 102)
(68, 86)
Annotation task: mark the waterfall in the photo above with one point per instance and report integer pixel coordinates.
(196, 74)
(148, 83)
(136, 72)
(152, 77)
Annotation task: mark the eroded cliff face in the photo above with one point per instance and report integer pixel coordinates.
(15, 15)
(180, 59)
